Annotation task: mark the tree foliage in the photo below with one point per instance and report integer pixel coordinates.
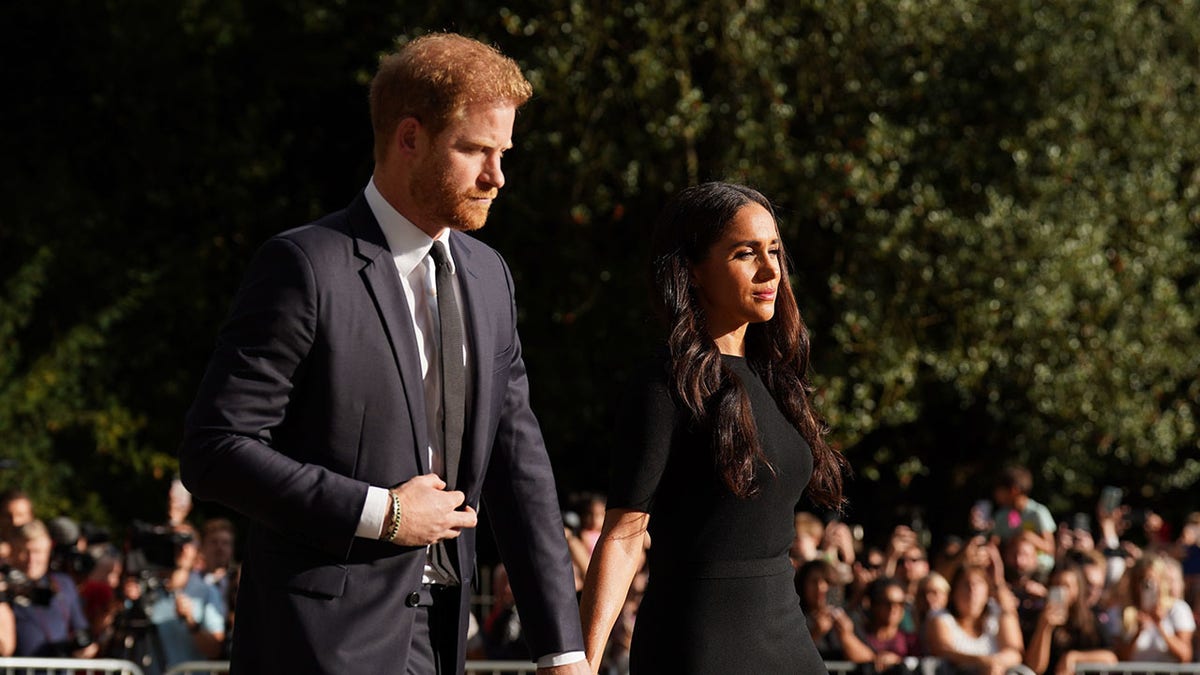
(992, 206)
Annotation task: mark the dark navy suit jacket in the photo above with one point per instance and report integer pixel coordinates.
(313, 393)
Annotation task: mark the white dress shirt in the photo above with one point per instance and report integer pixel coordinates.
(410, 247)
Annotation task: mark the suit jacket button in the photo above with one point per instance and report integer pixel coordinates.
(413, 599)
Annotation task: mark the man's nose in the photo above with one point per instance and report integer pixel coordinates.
(492, 175)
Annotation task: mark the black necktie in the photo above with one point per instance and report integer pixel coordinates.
(454, 389)
(454, 376)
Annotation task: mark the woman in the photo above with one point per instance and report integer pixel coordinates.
(979, 632)
(1067, 631)
(719, 444)
(832, 630)
(889, 643)
(933, 594)
(1153, 622)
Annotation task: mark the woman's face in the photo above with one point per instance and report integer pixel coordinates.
(970, 595)
(816, 588)
(1068, 581)
(593, 518)
(889, 610)
(933, 596)
(739, 276)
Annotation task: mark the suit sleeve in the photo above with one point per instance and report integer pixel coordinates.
(227, 453)
(522, 504)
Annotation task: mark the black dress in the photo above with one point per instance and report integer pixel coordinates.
(720, 598)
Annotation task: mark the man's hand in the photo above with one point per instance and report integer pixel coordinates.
(577, 668)
(183, 607)
(428, 512)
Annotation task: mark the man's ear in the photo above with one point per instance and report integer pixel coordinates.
(408, 131)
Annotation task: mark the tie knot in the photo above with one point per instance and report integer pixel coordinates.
(438, 253)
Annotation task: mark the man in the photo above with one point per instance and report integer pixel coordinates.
(185, 615)
(48, 614)
(368, 393)
(16, 509)
(216, 553)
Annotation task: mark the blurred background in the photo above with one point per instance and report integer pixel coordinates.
(992, 208)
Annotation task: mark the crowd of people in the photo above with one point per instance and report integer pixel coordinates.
(1019, 592)
(160, 595)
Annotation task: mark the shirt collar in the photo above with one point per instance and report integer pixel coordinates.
(407, 242)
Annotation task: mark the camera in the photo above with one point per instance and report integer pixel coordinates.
(73, 643)
(69, 560)
(153, 548)
(18, 589)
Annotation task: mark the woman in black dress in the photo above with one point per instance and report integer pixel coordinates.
(719, 443)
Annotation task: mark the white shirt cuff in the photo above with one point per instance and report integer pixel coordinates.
(561, 659)
(375, 509)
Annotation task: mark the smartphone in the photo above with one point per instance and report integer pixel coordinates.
(1110, 498)
(1149, 596)
(1081, 522)
(835, 596)
(981, 517)
(1057, 596)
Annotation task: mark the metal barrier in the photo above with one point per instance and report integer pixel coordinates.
(473, 667)
(197, 667)
(929, 666)
(26, 664)
(1135, 668)
(924, 666)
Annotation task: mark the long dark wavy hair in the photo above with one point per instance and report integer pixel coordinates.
(778, 350)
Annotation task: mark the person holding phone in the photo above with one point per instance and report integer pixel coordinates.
(831, 627)
(1154, 624)
(979, 632)
(1067, 631)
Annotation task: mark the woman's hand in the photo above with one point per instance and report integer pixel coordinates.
(841, 620)
(885, 660)
(1055, 613)
(839, 539)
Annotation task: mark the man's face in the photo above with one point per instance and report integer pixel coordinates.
(218, 549)
(18, 512)
(34, 557)
(457, 172)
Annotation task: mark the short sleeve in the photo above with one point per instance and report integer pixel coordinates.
(212, 613)
(1045, 520)
(645, 429)
(1182, 618)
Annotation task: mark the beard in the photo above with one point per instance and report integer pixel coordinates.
(458, 210)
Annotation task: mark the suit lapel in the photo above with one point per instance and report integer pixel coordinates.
(383, 283)
(480, 371)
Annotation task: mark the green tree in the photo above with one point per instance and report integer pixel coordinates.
(991, 206)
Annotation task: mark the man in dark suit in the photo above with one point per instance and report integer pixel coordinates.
(368, 393)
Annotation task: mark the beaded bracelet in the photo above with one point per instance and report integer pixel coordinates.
(395, 527)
